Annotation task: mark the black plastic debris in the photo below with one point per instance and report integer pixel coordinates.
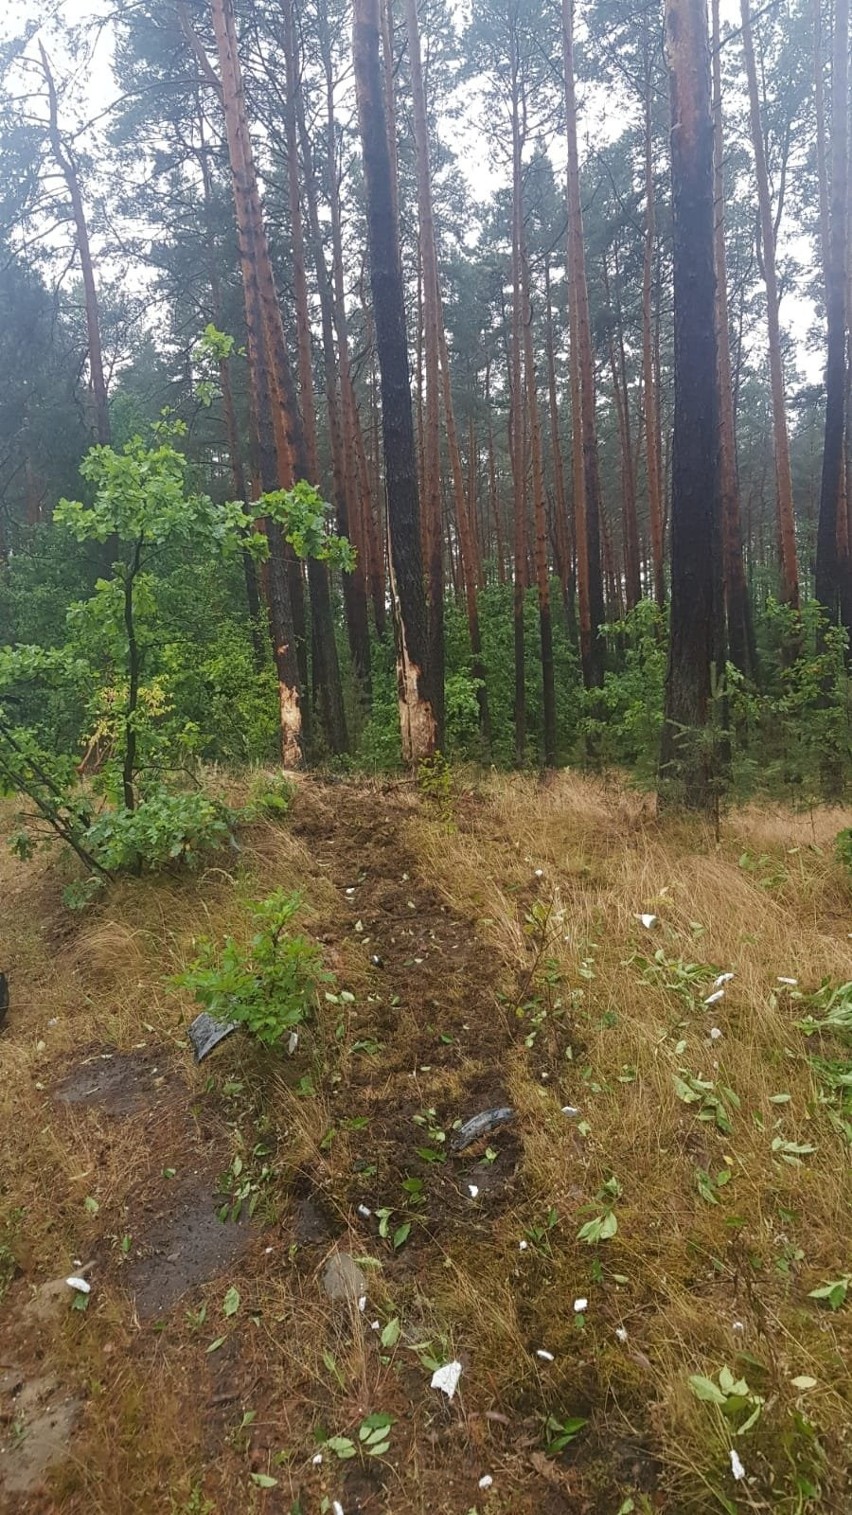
(482, 1125)
(205, 1033)
(4, 999)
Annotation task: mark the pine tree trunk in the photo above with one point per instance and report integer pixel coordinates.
(688, 766)
(68, 168)
(562, 533)
(588, 502)
(789, 569)
(741, 644)
(431, 508)
(414, 675)
(542, 567)
(833, 588)
(618, 368)
(354, 586)
(518, 425)
(262, 384)
(650, 388)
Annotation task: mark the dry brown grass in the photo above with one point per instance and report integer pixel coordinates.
(567, 1014)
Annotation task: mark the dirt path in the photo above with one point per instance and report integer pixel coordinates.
(413, 1038)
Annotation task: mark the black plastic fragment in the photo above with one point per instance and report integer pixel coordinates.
(482, 1125)
(205, 1033)
(4, 999)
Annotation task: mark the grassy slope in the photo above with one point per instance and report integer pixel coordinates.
(515, 971)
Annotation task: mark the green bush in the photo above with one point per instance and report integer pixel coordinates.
(268, 986)
(163, 830)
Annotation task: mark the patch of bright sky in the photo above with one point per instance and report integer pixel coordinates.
(91, 90)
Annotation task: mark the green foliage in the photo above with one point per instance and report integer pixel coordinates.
(163, 830)
(305, 519)
(624, 720)
(140, 498)
(268, 986)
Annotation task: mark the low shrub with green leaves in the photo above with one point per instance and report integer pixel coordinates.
(269, 985)
(163, 830)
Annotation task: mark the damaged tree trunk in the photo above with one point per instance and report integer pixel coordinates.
(417, 705)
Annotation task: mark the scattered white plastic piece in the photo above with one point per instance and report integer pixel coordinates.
(317, 1459)
(724, 978)
(54, 1021)
(362, 1303)
(791, 982)
(486, 1481)
(365, 1211)
(337, 1507)
(545, 1356)
(359, 926)
(375, 1325)
(522, 1246)
(350, 892)
(621, 1333)
(292, 1042)
(738, 1326)
(713, 999)
(736, 1466)
(570, 1110)
(647, 920)
(539, 873)
(267, 1250)
(715, 1033)
(580, 1305)
(81, 1285)
(545, 1076)
(473, 1190)
(447, 1378)
(41, 1046)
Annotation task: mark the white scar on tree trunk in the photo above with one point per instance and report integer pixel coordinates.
(418, 729)
(291, 724)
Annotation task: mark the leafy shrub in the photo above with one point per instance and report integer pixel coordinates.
(843, 848)
(270, 796)
(268, 986)
(164, 829)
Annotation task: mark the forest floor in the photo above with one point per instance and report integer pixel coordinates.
(212, 1372)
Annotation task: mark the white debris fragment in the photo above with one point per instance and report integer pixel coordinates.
(350, 892)
(539, 873)
(738, 1327)
(522, 1246)
(317, 1459)
(544, 1355)
(375, 1325)
(621, 1333)
(359, 926)
(790, 982)
(292, 1042)
(724, 978)
(486, 1481)
(336, 1507)
(580, 1305)
(473, 1190)
(715, 1033)
(362, 1303)
(81, 1285)
(713, 999)
(647, 920)
(365, 1211)
(570, 1111)
(736, 1466)
(447, 1378)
